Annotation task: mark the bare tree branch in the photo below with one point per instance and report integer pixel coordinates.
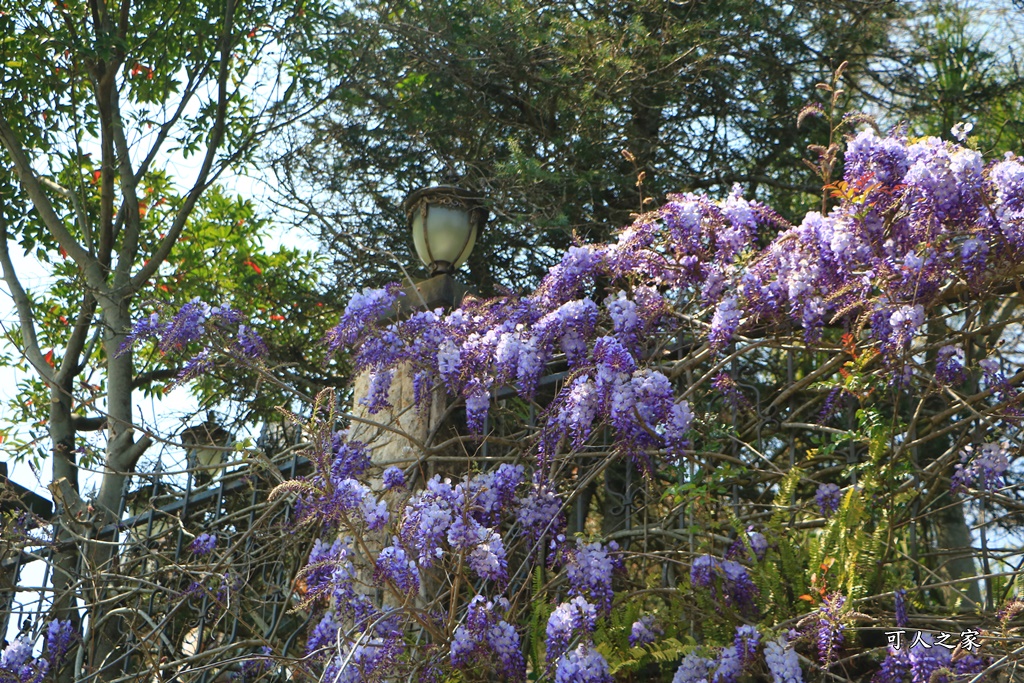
(30, 343)
(83, 220)
(88, 424)
(163, 250)
(42, 204)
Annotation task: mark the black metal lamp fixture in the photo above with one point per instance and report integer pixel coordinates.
(445, 223)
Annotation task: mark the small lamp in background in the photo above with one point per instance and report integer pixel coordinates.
(205, 446)
(445, 223)
(150, 523)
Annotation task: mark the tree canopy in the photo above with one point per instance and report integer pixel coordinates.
(569, 117)
(95, 97)
(551, 110)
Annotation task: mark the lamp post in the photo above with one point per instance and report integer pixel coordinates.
(445, 222)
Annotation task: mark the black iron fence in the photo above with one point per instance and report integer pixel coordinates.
(202, 575)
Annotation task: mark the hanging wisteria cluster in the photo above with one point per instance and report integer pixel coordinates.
(918, 222)
(20, 664)
(423, 577)
(195, 321)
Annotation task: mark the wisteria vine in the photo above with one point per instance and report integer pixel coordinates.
(425, 576)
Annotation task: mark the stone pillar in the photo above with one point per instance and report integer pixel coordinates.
(418, 421)
(389, 448)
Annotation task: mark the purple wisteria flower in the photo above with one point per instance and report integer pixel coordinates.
(196, 366)
(746, 642)
(568, 620)
(324, 636)
(974, 254)
(60, 638)
(539, 512)
(704, 570)
(369, 659)
(923, 660)
(983, 472)
(901, 607)
(758, 545)
(579, 410)
(461, 519)
(203, 544)
(255, 666)
(478, 402)
(348, 500)
(484, 548)
(393, 478)
(583, 665)
(829, 404)
(624, 317)
(875, 159)
(190, 324)
(895, 668)
(949, 366)
(487, 639)
(504, 642)
(1002, 390)
(724, 323)
(1007, 177)
(426, 520)
(693, 669)
(576, 270)
(782, 661)
(348, 458)
(731, 578)
(828, 497)
(727, 666)
(393, 565)
(334, 494)
(495, 492)
(187, 325)
(362, 310)
(830, 628)
(249, 344)
(589, 569)
(378, 391)
(329, 570)
(16, 655)
(903, 323)
(741, 223)
(644, 631)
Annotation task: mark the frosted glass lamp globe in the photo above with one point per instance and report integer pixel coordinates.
(445, 222)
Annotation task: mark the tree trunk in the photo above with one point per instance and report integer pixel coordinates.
(121, 455)
(953, 536)
(67, 552)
